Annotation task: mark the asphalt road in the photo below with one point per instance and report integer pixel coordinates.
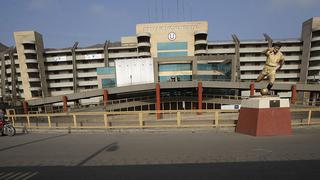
(183, 154)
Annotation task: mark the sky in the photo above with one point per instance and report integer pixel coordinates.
(62, 22)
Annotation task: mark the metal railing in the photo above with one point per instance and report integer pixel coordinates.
(150, 99)
(148, 119)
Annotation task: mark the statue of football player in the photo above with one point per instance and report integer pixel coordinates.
(274, 62)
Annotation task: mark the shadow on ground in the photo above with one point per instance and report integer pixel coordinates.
(304, 169)
(110, 147)
(32, 142)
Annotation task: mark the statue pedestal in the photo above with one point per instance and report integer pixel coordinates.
(264, 116)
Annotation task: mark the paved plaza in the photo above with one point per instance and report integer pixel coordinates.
(161, 154)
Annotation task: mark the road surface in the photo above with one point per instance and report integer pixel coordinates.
(173, 154)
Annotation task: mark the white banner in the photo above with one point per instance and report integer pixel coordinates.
(93, 56)
(60, 58)
(134, 71)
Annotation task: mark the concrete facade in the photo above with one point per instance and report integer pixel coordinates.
(172, 32)
(30, 50)
(179, 49)
(311, 53)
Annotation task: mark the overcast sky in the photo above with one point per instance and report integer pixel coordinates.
(62, 22)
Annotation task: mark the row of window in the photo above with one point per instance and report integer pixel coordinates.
(71, 88)
(225, 77)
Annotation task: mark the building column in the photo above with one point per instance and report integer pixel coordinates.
(236, 64)
(195, 68)
(74, 63)
(41, 65)
(306, 36)
(106, 53)
(158, 101)
(155, 70)
(200, 89)
(25, 107)
(251, 88)
(105, 97)
(13, 77)
(65, 103)
(3, 76)
(293, 94)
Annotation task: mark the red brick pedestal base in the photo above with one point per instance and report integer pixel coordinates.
(257, 118)
(264, 122)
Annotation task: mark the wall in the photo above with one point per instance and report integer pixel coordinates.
(178, 31)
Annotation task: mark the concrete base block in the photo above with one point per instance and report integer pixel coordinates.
(267, 118)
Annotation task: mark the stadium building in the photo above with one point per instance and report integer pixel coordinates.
(159, 52)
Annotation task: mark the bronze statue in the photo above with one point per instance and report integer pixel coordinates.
(274, 62)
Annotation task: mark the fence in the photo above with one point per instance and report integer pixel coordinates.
(147, 119)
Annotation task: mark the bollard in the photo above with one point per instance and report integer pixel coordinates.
(251, 88)
(65, 103)
(293, 94)
(25, 107)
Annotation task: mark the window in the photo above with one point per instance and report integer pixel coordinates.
(29, 46)
(35, 84)
(172, 54)
(32, 66)
(36, 93)
(108, 83)
(175, 67)
(172, 46)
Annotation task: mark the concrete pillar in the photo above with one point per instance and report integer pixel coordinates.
(74, 67)
(251, 88)
(158, 101)
(106, 53)
(25, 107)
(155, 70)
(306, 36)
(293, 94)
(195, 68)
(41, 65)
(65, 103)
(105, 97)
(3, 75)
(13, 77)
(200, 89)
(236, 60)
